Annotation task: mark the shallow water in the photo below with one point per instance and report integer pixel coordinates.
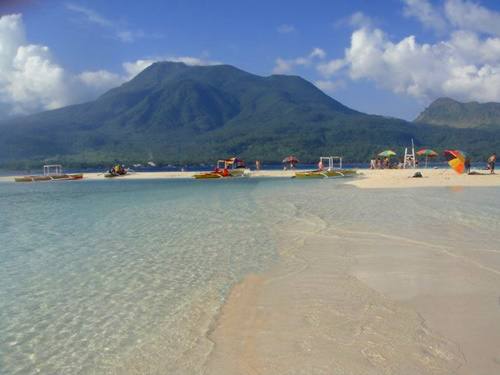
(94, 272)
(127, 276)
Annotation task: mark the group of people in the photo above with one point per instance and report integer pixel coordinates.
(385, 163)
(118, 170)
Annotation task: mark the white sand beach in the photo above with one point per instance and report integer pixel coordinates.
(371, 179)
(401, 178)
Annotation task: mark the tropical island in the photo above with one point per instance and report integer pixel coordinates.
(173, 113)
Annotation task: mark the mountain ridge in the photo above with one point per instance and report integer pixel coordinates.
(450, 112)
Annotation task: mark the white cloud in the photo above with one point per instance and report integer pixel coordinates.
(328, 85)
(426, 13)
(464, 67)
(192, 61)
(129, 36)
(454, 15)
(31, 80)
(134, 68)
(118, 31)
(100, 80)
(285, 29)
(90, 15)
(471, 16)
(284, 66)
(331, 67)
(317, 52)
(359, 19)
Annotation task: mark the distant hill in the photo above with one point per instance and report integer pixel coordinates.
(174, 113)
(446, 111)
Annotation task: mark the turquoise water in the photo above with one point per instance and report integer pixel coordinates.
(95, 274)
(103, 277)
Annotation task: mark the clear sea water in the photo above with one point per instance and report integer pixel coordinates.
(116, 277)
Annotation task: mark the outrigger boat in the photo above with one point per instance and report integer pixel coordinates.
(326, 169)
(232, 167)
(51, 172)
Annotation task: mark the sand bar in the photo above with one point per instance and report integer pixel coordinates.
(372, 179)
(352, 302)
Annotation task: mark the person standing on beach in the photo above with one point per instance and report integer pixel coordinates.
(386, 163)
(467, 165)
(491, 162)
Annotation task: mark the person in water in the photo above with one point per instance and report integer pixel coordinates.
(491, 162)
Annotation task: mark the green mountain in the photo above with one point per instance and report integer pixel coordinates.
(174, 113)
(446, 111)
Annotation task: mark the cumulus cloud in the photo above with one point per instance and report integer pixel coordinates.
(464, 67)
(284, 66)
(31, 80)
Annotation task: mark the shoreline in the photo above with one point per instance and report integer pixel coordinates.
(368, 179)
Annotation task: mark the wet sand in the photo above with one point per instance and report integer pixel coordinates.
(344, 302)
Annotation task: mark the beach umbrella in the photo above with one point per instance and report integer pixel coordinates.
(428, 153)
(387, 153)
(456, 159)
(290, 160)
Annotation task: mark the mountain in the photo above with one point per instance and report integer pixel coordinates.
(446, 111)
(174, 113)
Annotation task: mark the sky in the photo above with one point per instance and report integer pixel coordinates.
(387, 57)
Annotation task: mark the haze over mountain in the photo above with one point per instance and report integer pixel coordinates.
(174, 113)
(446, 111)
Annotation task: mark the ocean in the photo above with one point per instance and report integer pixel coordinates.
(117, 277)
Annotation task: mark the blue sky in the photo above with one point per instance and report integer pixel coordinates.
(386, 57)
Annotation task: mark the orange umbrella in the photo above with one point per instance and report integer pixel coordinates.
(456, 159)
